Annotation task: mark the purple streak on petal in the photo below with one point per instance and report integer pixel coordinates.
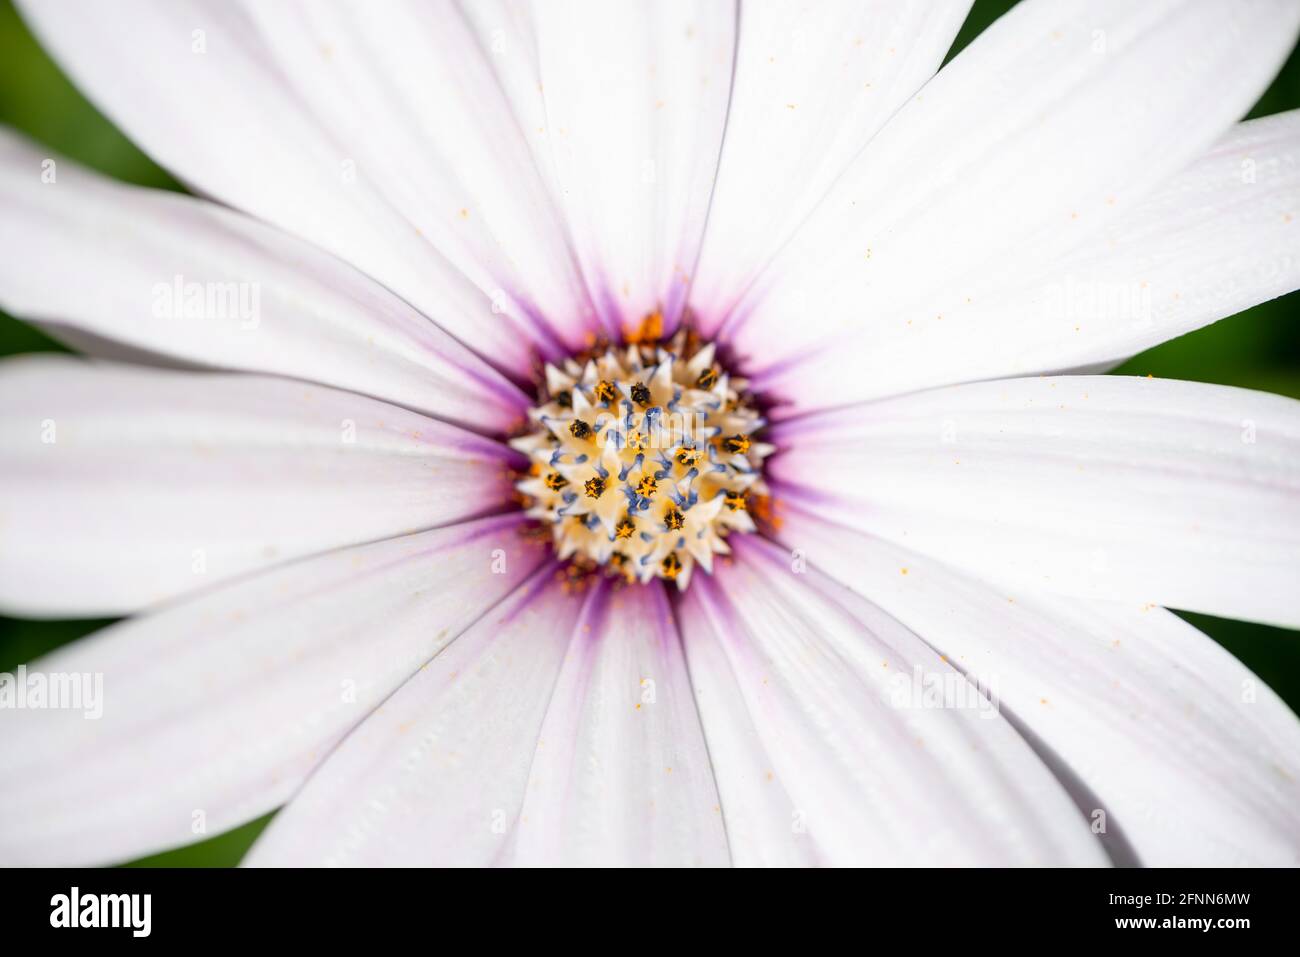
(662, 609)
(727, 317)
(674, 304)
(612, 320)
(590, 627)
(711, 592)
(478, 446)
(395, 313)
(483, 527)
(806, 427)
(799, 492)
(783, 363)
(650, 601)
(757, 548)
(548, 343)
(505, 391)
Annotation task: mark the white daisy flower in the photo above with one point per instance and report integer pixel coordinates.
(653, 433)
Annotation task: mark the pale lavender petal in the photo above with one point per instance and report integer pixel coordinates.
(215, 710)
(1176, 753)
(635, 98)
(1054, 124)
(177, 279)
(381, 135)
(622, 775)
(437, 775)
(1116, 487)
(814, 82)
(872, 772)
(122, 487)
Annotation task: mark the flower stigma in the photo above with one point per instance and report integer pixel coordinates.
(643, 459)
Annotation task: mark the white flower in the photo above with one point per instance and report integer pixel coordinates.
(292, 473)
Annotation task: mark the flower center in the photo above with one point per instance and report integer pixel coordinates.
(643, 459)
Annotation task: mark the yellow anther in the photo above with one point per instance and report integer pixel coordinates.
(736, 501)
(595, 487)
(647, 486)
(671, 566)
(625, 527)
(708, 378)
(688, 457)
(640, 394)
(605, 392)
(673, 519)
(579, 429)
(620, 564)
(736, 444)
(555, 481)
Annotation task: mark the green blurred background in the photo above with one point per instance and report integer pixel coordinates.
(1258, 349)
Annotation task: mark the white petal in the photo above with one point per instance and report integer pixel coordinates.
(1052, 125)
(437, 775)
(1190, 757)
(413, 89)
(875, 775)
(188, 280)
(1218, 238)
(635, 98)
(813, 84)
(381, 135)
(1145, 490)
(122, 486)
(764, 827)
(215, 710)
(621, 775)
(1214, 240)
